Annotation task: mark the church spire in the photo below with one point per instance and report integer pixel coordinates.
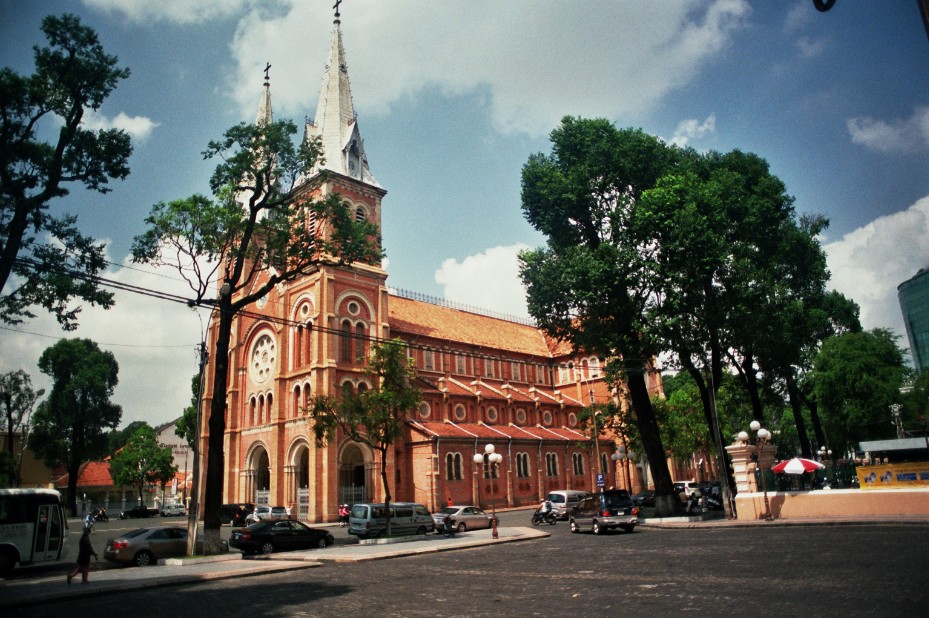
(264, 105)
(335, 122)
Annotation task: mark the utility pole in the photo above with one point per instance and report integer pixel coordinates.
(193, 514)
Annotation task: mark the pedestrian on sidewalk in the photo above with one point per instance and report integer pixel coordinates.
(84, 552)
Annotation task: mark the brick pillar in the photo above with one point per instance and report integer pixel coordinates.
(743, 468)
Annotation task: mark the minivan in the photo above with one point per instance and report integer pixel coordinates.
(563, 500)
(370, 520)
(600, 512)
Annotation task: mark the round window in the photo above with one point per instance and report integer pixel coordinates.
(460, 412)
(353, 308)
(520, 416)
(491, 415)
(547, 417)
(424, 410)
(262, 358)
(572, 419)
(305, 309)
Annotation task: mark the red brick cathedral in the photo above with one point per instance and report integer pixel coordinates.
(485, 380)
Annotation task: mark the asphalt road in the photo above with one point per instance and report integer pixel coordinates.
(872, 570)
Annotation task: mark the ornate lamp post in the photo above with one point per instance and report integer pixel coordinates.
(624, 457)
(490, 461)
(762, 439)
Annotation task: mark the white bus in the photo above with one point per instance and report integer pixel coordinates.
(33, 528)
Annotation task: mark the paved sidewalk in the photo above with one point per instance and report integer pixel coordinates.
(174, 572)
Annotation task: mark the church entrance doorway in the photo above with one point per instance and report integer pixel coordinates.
(301, 484)
(353, 476)
(260, 474)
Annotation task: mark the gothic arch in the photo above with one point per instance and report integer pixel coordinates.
(356, 465)
(298, 489)
(258, 473)
(361, 298)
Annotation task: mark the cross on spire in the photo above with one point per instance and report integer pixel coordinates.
(267, 68)
(336, 7)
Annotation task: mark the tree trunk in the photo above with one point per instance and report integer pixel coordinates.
(215, 466)
(665, 502)
(387, 495)
(793, 395)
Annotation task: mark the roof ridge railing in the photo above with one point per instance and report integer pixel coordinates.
(448, 304)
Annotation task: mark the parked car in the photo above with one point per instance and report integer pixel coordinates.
(598, 513)
(645, 497)
(466, 517)
(688, 487)
(137, 512)
(563, 500)
(235, 514)
(270, 536)
(264, 512)
(146, 546)
(370, 520)
(173, 510)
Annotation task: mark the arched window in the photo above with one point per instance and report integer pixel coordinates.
(360, 214)
(253, 412)
(453, 467)
(361, 342)
(346, 343)
(261, 409)
(347, 389)
(551, 464)
(298, 400)
(578, 461)
(268, 403)
(522, 465)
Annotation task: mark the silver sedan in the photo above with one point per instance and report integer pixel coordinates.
(466, 517)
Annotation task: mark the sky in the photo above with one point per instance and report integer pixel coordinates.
(453, 97)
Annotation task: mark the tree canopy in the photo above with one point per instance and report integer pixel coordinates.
(142, 461)
(17, 400)
(72, 75)
(69, 426)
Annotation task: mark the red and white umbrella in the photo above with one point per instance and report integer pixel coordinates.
(797, 465)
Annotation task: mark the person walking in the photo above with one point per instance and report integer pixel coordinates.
(84, 552)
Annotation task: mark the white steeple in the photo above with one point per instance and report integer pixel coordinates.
(264, 115)
(335, 120)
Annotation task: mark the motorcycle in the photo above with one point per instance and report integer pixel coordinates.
(447, 528)
(100, 515)
(693, 504)
(548, 517)
(714, 502)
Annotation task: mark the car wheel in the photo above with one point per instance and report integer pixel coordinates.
(628, 528)
(267, 547)
(574, 527)
(596, 528)
(462, 527)
(421, 530)
(144, 558)
(321, 543)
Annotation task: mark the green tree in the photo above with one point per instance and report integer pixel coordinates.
(591, 284)
(916, 404)
(374, 417)
(857, 378)
(259, 230)
(117, 438)
(44, 259)
(17, 399)
(187, 425)
(69, 427)
(142, 461)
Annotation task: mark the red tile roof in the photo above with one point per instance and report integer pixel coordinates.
(481, 431)
(424, 319)
(90, 474)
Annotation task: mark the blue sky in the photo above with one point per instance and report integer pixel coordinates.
(452, 99)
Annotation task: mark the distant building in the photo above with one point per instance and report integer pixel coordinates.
(914, 303)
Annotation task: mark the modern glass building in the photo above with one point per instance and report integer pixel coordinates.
(914, 303)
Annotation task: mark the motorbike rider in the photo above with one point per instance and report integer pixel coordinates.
(448, 524)
(545, 508)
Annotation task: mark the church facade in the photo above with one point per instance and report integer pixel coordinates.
(484, 380)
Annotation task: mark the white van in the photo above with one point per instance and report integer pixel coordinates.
(370, 520)
(173, 509)
(563, 500)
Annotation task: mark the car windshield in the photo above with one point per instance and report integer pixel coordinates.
(135, 533)
(449, 510)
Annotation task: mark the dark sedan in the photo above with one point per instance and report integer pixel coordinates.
(137, 512)
(269, 536)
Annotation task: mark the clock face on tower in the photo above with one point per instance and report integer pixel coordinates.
(262, 358)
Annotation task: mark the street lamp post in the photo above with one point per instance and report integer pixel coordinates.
(624, 457)
(762, 439)
(823, 454)
(490, 461)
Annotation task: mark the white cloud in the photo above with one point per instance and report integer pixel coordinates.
(138, 127)
(154, 342)
(175, 11)
(869, 263)
(533, 61)
(488, 280)
(693, 129)
(904, 135)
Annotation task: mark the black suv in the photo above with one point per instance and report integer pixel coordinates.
(600, 512)
(235, 514)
